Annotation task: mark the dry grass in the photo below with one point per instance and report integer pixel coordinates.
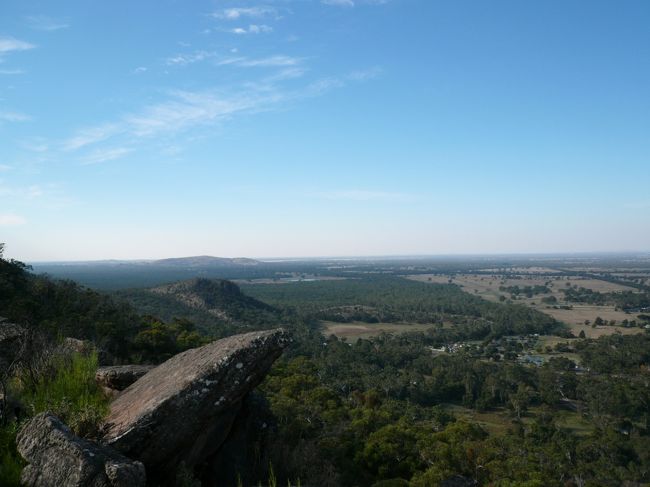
(487, 287)
(489, 284)
(289, 280)
(525, 270)
(579, 313)
(496, 422)
(499, 421)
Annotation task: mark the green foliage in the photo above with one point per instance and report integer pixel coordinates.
(528, 291)
(370, 411)
(392, 299)
(158, 341)
(68, 389)
(392, 483)
(626, 300)
(11, 464)
(616, 353)
(373, 412)
(185, 477)
(217, 307)
(63, 308)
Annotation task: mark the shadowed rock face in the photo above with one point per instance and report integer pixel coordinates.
(119, 377)
(11, 337)
(183, 410)
(58, 458)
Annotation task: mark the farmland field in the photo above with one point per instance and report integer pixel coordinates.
(500, 420)
(356, 330)
(490, 287)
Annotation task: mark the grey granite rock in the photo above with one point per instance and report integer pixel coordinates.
(57, 457)
(182, 411)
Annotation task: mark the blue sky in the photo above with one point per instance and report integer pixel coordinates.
(144, 129)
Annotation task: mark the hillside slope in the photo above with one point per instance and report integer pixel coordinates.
(215, 305)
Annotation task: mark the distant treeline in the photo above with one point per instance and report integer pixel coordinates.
(393, 299)
(625, 300)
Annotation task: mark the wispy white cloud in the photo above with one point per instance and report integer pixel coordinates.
(91, 136)
(5, 167)
(189, 58)
(11, 220)
(352, 3)
(49, 24)
(365, 195)
(10, 44)
(364, 75)
(339, 3)
(42, 195)
(35, 144)
(251, 29)
(185, 110)
(252, 12)
(24, 192)
(267, 62)
(105, 155)
(323, 85)
(286, 74)
(14, 117)
(139, 70)
(12, 71)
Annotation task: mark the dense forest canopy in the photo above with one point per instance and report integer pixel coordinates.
(390, 299)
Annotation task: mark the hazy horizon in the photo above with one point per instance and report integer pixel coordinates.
(535, 256)
(323, 128)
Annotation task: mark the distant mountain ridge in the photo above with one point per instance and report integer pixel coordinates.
(205, 261)
(216, 306)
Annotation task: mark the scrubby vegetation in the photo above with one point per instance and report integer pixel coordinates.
(459, 399)
(10, 462)
(391, 299)
(64, 384)
(378, 409)
(67, 388)
(625, 300)
(216, 307)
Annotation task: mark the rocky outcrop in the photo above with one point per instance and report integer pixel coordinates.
(11, 339)
(120, 377)
(57, 457)
(74, 345)
(182, 411)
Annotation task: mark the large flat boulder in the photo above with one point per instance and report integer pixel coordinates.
(183, 410)
(57, 457)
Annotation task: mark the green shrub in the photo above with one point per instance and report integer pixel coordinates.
(392, 483)
(70, 392)
(10, 462)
